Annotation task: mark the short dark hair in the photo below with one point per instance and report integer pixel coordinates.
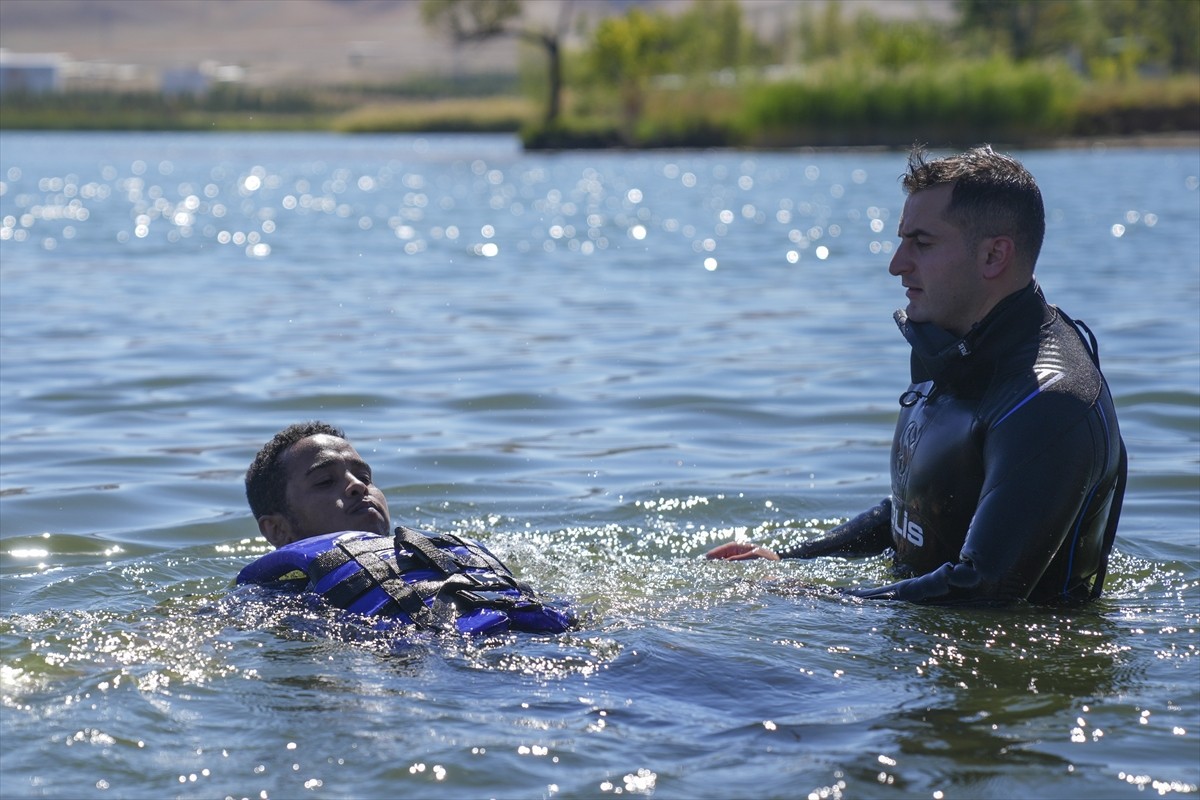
(993, 195)
(266, 483)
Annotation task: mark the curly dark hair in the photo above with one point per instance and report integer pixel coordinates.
(993, 195)
(266, 483)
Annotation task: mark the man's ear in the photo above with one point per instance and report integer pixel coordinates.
(996, 255)
(276, 529)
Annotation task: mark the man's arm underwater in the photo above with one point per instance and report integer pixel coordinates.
(1046, 491)
(867, 534)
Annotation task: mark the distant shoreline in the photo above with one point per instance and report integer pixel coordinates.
(1173, 139)
(1167, 140)
(1146, 140)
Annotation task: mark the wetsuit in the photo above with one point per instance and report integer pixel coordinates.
(1008, 468)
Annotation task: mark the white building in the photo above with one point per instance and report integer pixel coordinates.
(185, 80)
(35, 73)
(198, 80)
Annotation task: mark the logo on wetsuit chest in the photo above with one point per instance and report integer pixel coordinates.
(905, 448)
(904, 528)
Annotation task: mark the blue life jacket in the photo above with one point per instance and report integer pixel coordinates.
(434, 581)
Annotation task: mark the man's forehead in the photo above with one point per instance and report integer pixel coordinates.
(317, 448)
(934, 198)
(926, 207)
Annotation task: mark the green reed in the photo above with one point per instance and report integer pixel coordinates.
(855, 104)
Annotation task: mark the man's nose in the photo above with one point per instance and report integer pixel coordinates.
(354, 486)
(899, 263)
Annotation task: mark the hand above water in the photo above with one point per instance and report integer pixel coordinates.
(741, 551)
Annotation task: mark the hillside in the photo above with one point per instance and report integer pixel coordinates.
(275, 41)
(312, 41)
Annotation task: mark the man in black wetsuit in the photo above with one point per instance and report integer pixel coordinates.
(1008, 468)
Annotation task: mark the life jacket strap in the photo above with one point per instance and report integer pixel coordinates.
(434, 581)
(378, 571)
(425, 548)
(421, 546)
(464, 576)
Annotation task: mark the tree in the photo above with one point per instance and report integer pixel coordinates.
(627, 52)
(1026, 29)
(479, 20)
(1161, 34)
(1122, 38)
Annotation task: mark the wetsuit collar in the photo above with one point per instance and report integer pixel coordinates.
(939, 355)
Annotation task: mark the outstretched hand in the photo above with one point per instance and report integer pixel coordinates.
(741, 551)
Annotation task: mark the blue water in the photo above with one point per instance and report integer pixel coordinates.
(600, 364)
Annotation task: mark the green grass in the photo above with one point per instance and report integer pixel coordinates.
(833, 104)
(478, 115)
(848, 104)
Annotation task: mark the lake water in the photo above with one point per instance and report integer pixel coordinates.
(599, 364)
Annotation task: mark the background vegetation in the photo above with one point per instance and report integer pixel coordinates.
(1011, 71)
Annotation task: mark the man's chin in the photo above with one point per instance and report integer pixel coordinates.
(379, 525)
(371, 520)
(915, 313)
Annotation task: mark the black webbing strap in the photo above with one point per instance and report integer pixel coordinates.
(375, 571)
(345, 592)
(327, 562)
(476, 579)
(421, 546)
(480, 558)
(494, 564)
(490, 597)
